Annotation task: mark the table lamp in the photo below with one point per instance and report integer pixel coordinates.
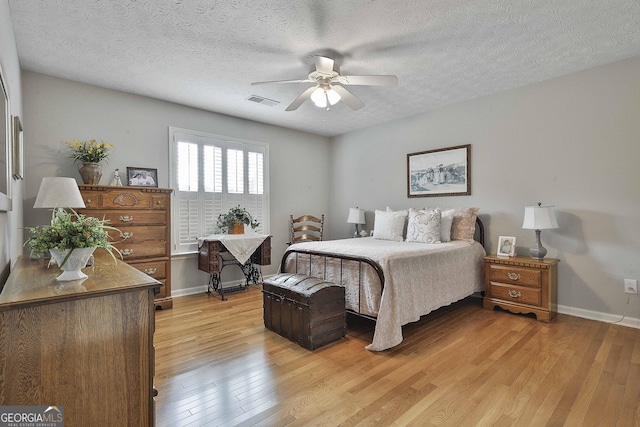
(356, 216)
(539, 218)
(58, 192)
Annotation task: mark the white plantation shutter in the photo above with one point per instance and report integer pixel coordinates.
(212, 174)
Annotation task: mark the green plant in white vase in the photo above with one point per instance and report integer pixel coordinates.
(71, 238)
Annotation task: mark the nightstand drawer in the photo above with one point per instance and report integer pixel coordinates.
(516, 275)
(515, 293)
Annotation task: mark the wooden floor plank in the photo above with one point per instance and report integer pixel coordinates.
(217, 365)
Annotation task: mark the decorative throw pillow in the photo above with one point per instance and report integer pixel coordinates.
(446, 220)
(463, 226)
(424, 226)
(389, 225)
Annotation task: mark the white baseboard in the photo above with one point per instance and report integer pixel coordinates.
(631, 322)
(200, 289)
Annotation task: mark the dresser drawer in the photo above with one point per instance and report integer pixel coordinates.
(516, 275)
(124, 199)
(141, 250)
(514, 293)
(155, 269)
(138, 234)
(118, 219)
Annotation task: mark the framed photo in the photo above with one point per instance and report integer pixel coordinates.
(18, 149)
(506, 246)
(441, 172)
(142, 177)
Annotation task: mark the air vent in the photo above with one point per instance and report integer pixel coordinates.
(264, 101)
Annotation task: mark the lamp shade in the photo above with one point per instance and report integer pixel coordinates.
(356, 216)
(59, 192)
(539, 218)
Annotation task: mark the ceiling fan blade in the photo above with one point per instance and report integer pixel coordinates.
(324, 65)
(299, 100)
(282, 81)
(369, 80)
(348, 98)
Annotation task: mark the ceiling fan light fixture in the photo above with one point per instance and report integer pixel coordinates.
(319, 97)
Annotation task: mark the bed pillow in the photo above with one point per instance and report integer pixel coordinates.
(424, 226)
(463, 225)
(446, 220)
(389, 225)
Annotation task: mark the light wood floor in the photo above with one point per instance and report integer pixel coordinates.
(216, 364)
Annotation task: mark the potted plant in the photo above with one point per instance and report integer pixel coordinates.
(234, 220)
(90, 153)
(71, 239)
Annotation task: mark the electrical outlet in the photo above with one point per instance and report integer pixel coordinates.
(631, 286)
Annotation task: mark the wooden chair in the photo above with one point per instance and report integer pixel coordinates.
(306, 228)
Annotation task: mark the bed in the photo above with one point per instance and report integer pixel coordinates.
(394, 282)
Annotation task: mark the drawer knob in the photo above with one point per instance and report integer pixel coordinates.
(514, 294)
(126, 235)
(151, 270)
(127, 251)
(126, 218)
(89, 200)
(513, 276)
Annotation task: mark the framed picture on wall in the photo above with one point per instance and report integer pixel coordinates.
(18, 147)
(441, 172)
(506, 246)
(142, 177)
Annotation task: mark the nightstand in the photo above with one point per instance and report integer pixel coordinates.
(522, 285)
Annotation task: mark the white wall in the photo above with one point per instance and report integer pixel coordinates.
(58, 110)
(573, 142)
(10, 222)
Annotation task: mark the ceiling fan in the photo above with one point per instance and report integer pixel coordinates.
(328, 88)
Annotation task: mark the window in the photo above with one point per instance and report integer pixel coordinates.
(211, 174)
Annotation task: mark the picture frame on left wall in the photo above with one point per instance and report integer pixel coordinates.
(142, 177)
(18, 148)
(5, 146)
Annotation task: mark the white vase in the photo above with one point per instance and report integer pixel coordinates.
(71, 269)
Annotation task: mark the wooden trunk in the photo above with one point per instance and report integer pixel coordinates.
(304, 309)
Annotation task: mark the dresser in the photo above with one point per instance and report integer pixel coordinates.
(143, 217)
(83, 345)
(522, 285)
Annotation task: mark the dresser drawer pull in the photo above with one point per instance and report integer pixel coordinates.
(89, 200)
(126, 218)
(514, 294)
(514, 276)
(150, 271)
(127, 251)
(126, 235)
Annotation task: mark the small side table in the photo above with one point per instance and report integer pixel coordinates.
(522, 285)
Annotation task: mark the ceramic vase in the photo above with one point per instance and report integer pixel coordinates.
(71, 268)
(90, 172)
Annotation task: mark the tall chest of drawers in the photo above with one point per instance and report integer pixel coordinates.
(143, 216)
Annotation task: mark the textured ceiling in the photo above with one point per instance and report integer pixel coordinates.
(205, 53)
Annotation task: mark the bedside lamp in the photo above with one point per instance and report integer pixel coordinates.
(59, 192)
(356, 216)
(539, 218)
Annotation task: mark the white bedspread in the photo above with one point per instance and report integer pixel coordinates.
(419, 278)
